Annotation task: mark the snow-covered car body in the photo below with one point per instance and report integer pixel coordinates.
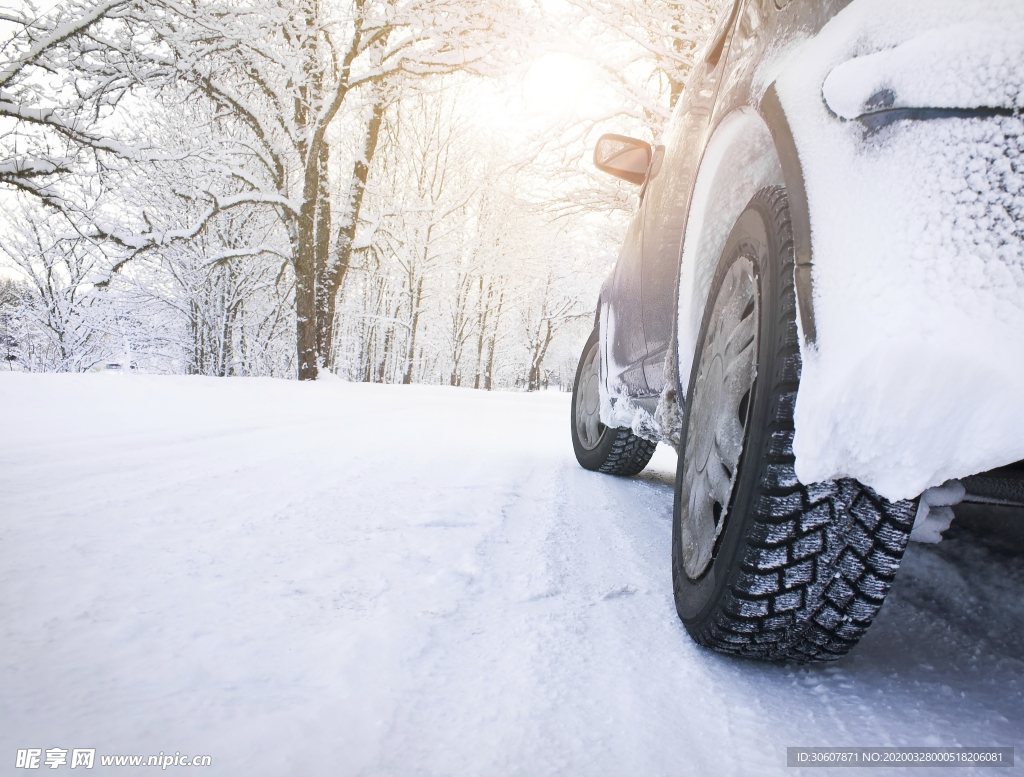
(896, 130)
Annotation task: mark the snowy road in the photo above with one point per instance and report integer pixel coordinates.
(336, 579)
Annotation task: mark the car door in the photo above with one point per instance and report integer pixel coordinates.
(667, 198)
(623, 313)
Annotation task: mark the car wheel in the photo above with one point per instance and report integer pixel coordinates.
(763, 565)
(598, 447)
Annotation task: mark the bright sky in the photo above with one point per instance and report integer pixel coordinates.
(556, 84)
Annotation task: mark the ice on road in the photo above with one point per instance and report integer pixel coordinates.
(346, 579)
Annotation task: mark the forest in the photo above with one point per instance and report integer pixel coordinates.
(392, 191)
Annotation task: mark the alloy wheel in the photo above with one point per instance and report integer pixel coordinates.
(588, 401)
(718, 415)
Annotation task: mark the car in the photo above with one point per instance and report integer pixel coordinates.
(819, 303)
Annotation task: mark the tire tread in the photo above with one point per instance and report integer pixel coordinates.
(818, 559)
(629, 454)
(618, 451)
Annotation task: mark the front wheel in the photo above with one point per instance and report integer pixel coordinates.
(599, 447)
(762, 565)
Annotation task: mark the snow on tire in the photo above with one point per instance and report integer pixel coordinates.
(614, 451)
(763, 565)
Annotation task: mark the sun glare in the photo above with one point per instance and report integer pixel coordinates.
(555, 84)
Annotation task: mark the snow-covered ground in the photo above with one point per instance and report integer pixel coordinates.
(337, 579)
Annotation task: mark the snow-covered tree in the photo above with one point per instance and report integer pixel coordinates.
(228, 172)
(643, 49)
(58, 300)
(13, 329)
(282, 72)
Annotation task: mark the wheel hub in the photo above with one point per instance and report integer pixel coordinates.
(588, 402)
(718, 414)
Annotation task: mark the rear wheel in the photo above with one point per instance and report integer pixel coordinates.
(763, 565)
(599, 447)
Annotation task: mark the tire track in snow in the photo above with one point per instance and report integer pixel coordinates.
(567, 657)
(713, 735)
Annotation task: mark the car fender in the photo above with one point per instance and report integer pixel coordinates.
(740, 158)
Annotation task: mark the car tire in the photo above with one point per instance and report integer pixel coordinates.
(762, 565)
(614, 451)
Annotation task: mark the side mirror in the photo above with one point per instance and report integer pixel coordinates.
(625, 158)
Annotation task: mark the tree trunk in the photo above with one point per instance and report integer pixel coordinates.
(481, 323)
(539, 352)
(324, 300)
(488, 383)
(382, 367)
(334, 268)
(304, 254)
(414, 321)
(194, 335)
(305, 286)
(223, 334)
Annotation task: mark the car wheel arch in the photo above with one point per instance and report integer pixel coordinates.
(796, 192)
(748, 150)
